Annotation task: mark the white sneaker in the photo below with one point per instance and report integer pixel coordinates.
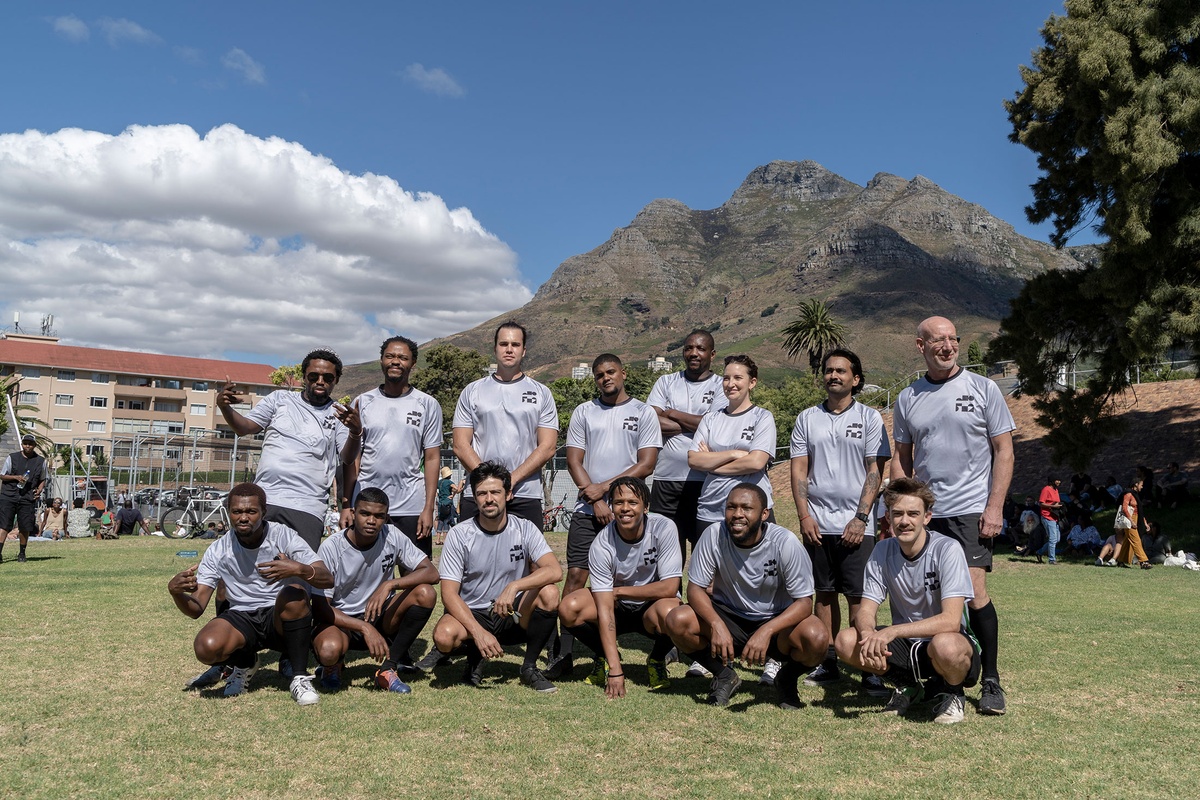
(697, 670)
(239, 678)
(303, 692)
(672, 656)
(770, 670)
(1099, 562)
(948, 709)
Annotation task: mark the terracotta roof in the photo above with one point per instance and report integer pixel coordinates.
(127, 362)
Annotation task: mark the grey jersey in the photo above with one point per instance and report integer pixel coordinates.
(752, 429)
(504, 418)
(675, 391)
(757, 582)
(358, 573)
(301, 451)
(396, 433)
(837, 447)
(484, 563)
(916, 586)
(226, 559)
(950, 425)
(610, 437)
(614, 562)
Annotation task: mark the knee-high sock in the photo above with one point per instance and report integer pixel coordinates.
(297, 639)
(411, 625)
(541, 629)
(662, 645)
(986, 626)
(589, 635)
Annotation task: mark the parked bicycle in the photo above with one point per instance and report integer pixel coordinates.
(556, 516)
(191, 519)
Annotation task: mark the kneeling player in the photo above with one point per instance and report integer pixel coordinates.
(636, 569)
(263, 612)
(761, 604)
(368, 609)
(498, 583)
(927, 649)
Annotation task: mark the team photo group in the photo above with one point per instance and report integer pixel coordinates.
(679, 481)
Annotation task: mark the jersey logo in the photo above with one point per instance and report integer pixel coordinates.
(630, 424)
(388, 563)
(932, 582)
(707, 397)
(650, 557)
(965, 403)
(529, 397)
(748, 433)
(854, 431)
(516, 553)
(413, 418)
(771, 568)
(329, 423)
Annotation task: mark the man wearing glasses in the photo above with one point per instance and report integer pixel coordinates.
(953, 432)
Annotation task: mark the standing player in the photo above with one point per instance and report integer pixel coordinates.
(498, 583)
(838, 451)
(954, 433)
(266, 609)
(367, 608)
(927, 649)
(396, 427)
(636, 570)
(760, 605)
(23, 479)
(610, 437)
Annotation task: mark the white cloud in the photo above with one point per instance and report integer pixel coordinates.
(434, 81)
(160, 239)
(239, 61)
(117, 31)
(71, 27)
(189, 55)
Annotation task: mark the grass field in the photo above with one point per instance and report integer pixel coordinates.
(1100, 667)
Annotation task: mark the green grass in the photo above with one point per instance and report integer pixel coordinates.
(1100, 665)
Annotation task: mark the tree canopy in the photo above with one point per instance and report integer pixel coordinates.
(447, 371)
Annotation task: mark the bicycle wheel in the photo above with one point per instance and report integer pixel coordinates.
(178, 523)
(564, 519)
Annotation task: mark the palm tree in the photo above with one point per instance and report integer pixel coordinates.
(814, 332)
(31, 425)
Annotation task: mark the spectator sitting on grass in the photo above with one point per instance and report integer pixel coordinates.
(1029, 527)
(1174, 485)
(1156, 544)
(1114, 490)
(1084, 537)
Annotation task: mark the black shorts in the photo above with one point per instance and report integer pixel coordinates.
(837, 568)
(741, 629)
(408, 526)
(582, 533)
(257, 627)
(679, 501)
(357, 642)
(310, 527)
(22, 510)
(965, 530)
(507, 630)
(529, 508)
(912, 656)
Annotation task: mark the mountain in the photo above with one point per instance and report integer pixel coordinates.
(884, 255)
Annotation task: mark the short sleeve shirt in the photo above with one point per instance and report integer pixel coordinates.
(358, 573)
(752, 429)
(950, 425)
(614, 562)
(396, 433)
(610, 437)
(301, 451)
(837, 447)
(676, 392)
(757, 582)
(1049, 496)
(226, 559)
(483, 563)
(916, 586)
(127, 520)
(504, 418)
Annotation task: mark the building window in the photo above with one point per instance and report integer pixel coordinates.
(66, 374)
(101, 377)
(165, 426)
(173, 453)
(96, 427)
(98, 402)
(199, 409)
(168, 383)
(131, 426)
(122, 450)
(132, 380)
(263, 391)
(28, 398)
(64, 399)
(94, 449)
(133, 405)
(62, 424)
(30, 372)
(199, 386)
(168, 406)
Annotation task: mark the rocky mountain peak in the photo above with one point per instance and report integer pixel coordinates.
(803, 181)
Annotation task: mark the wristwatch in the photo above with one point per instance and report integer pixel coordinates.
(861, 517)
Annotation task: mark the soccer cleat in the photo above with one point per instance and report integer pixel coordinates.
(330, 678)
(901, 699)
(991, 698)
(20, 558)
(388, 680)
(948, 708)
(210, 677)
(286, 671)
(303, 692)
(770, 670)
(534, 679)
(431, 660)
(597, 677)
(874, 686)
(656, 672)
(239, 678)
(473, 676)
(562, 667)
(672, 656)
(824, 675)
(698, 670)
(723, 687)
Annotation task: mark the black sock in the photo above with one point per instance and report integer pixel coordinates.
(21, 551)
(411, 625)
(540, 630)
(566, 642)
(662, 646)
(473, 655)
(297, 638)
(243, 659)
(987, 629)
(899, 677)
(705, 659)
(589, 635)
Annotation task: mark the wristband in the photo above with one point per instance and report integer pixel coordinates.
(616, 675)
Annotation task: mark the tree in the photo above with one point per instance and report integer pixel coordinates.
(1111, 107)
(569, 393)
(447, 371)
(814, 332)
(785, 401)
(975, 358)
(287, 376)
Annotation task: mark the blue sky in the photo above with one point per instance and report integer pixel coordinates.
(534, 129)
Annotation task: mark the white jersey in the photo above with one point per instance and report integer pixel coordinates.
(358, 573)
(610, 437)
(226, 559)
(675, 391)
(917, 585)
(752, 429)
(504, 418)
(837, 447)
(483, 563)
(396, 433)
(614, 562)
(301, 451)
(950, 425)
(757, 582)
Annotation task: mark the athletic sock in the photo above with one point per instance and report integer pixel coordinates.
(790, 672)
(899, 677)
(540, 631)
(242, 659)
(589, 635)
(987, 628)
(297, 638)
(566, 642)
(662, 646)
(473, 655)
(411, 625)
(21, 550)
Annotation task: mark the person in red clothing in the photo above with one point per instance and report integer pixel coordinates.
(1049, 505)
